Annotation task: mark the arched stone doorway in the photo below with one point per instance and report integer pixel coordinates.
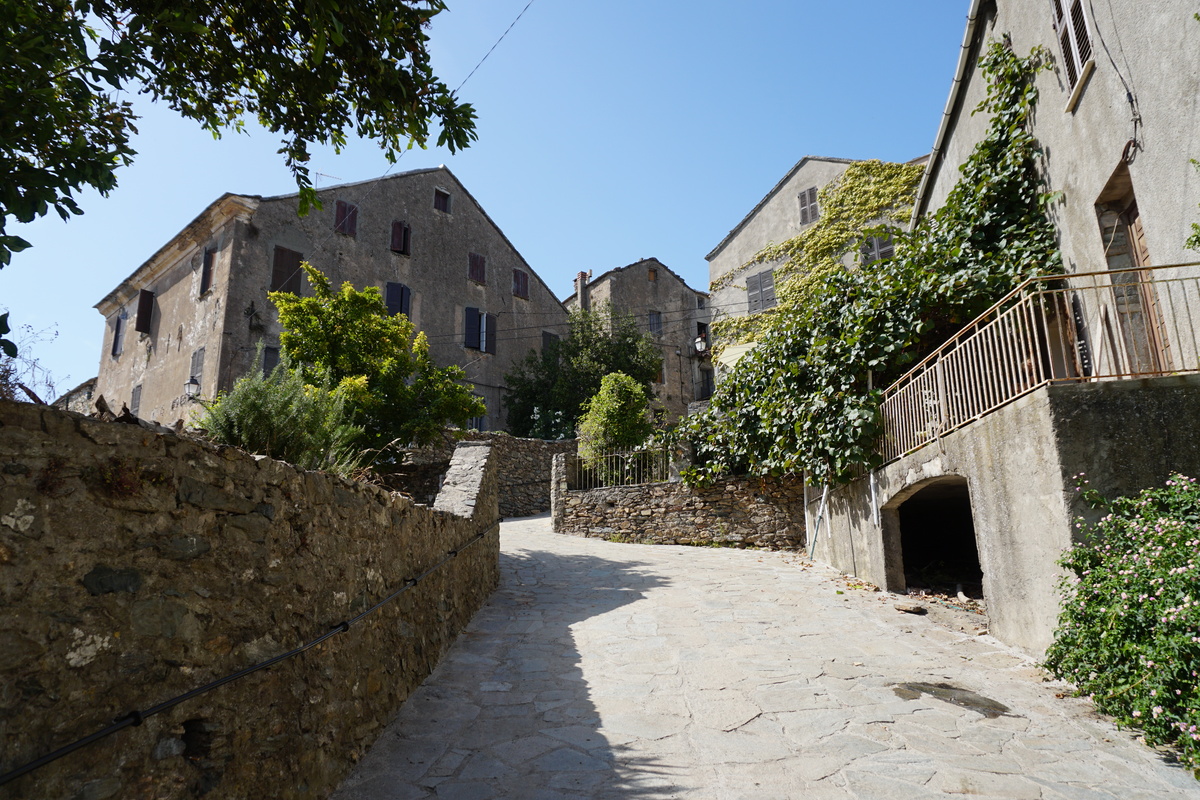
(929, 539)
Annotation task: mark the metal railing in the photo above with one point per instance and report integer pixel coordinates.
(619, 468)
(1063, 328)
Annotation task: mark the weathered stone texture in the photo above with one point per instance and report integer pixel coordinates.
(523, 467)
(739, 512)
(137, 566)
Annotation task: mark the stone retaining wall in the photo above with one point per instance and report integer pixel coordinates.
(523, 466)
(741, 512)
(135, 566)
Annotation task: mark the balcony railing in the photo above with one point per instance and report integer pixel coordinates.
(1064, 328)
(620, 468)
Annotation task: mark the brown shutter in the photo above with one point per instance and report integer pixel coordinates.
(345, 218)
(477, 268)
(145, 311)
(401, 237)
(285, 271)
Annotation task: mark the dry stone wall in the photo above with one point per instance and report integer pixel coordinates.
(523, 466)
(739, 512)
(135, 566)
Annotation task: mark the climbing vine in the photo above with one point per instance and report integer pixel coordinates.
(868, 192)
(1193, 241)
(807, 397)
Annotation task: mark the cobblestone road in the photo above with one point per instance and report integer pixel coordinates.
(604, 670)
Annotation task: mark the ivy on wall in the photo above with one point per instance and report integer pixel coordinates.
(867, 193)
(807, 398)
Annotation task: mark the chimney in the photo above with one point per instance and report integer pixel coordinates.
(581, 289)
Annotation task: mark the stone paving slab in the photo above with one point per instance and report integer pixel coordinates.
(605, 670)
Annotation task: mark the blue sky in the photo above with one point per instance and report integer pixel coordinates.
(608, 132)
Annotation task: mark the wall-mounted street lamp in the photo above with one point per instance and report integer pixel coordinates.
(191, 388)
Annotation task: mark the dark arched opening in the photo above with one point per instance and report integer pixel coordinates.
(937, 540)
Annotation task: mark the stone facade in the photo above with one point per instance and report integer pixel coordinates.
(198, 307)
(675, 314)
(738, 512)
(137, 566)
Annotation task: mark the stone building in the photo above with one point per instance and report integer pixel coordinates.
(673, 312)
(196, 310)
(1091, 373)
(789, 208)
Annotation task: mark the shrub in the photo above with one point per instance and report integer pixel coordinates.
(1129, 631)
(279, 415)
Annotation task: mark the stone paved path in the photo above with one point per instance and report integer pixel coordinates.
(604, 670)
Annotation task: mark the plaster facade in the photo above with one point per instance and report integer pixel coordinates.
(675, 314)
(203, 301)
(1144, 61)
(782, 214)
(1018, 464)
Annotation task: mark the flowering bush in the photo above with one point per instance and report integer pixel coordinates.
(1129, 631)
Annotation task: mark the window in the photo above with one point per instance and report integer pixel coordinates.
(206, 271)
(401, 238)
(699, 301)
(285, 271)
(145, 311)
(118, 343)
(651, 274)
(270, 360)
(808, 206)
(198, 367)
(399, 299)
(659, 377)
(477, 268)
(706, 384)
(702, 331)
(345, 218)
(135, 400)
(1071, 25)
(760, 291)
(656, 323)
(549, 340)
(478, 423)
(520, 283)
(877, 248)
(441, 200)
(480, 330)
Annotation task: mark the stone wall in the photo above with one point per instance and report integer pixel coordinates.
(741, 512)
(135, 566)
(523, 466)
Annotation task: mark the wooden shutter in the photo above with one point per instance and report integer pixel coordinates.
(1070, 23)
(808, 206)
(285, 271)
(198, 366)
(135, 400)
(345, 218)
(521, 283)
(118, 342)
(401, 237)
(767, 289)
(206, 271)
(471, 325)
(399, 299)
(804, 207)
(752, 293)
(270, 360)
(489, 333)
(477, 268)
(145, 311)
(441, 200)
(814, 212)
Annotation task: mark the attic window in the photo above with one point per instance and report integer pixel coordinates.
(477, 268)
(401, 238)
(520, 283)
(145, 311)
(651, 274)
(699, 301)
(441, 201)
(206, 271)
(808, 206)
(345, 218)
